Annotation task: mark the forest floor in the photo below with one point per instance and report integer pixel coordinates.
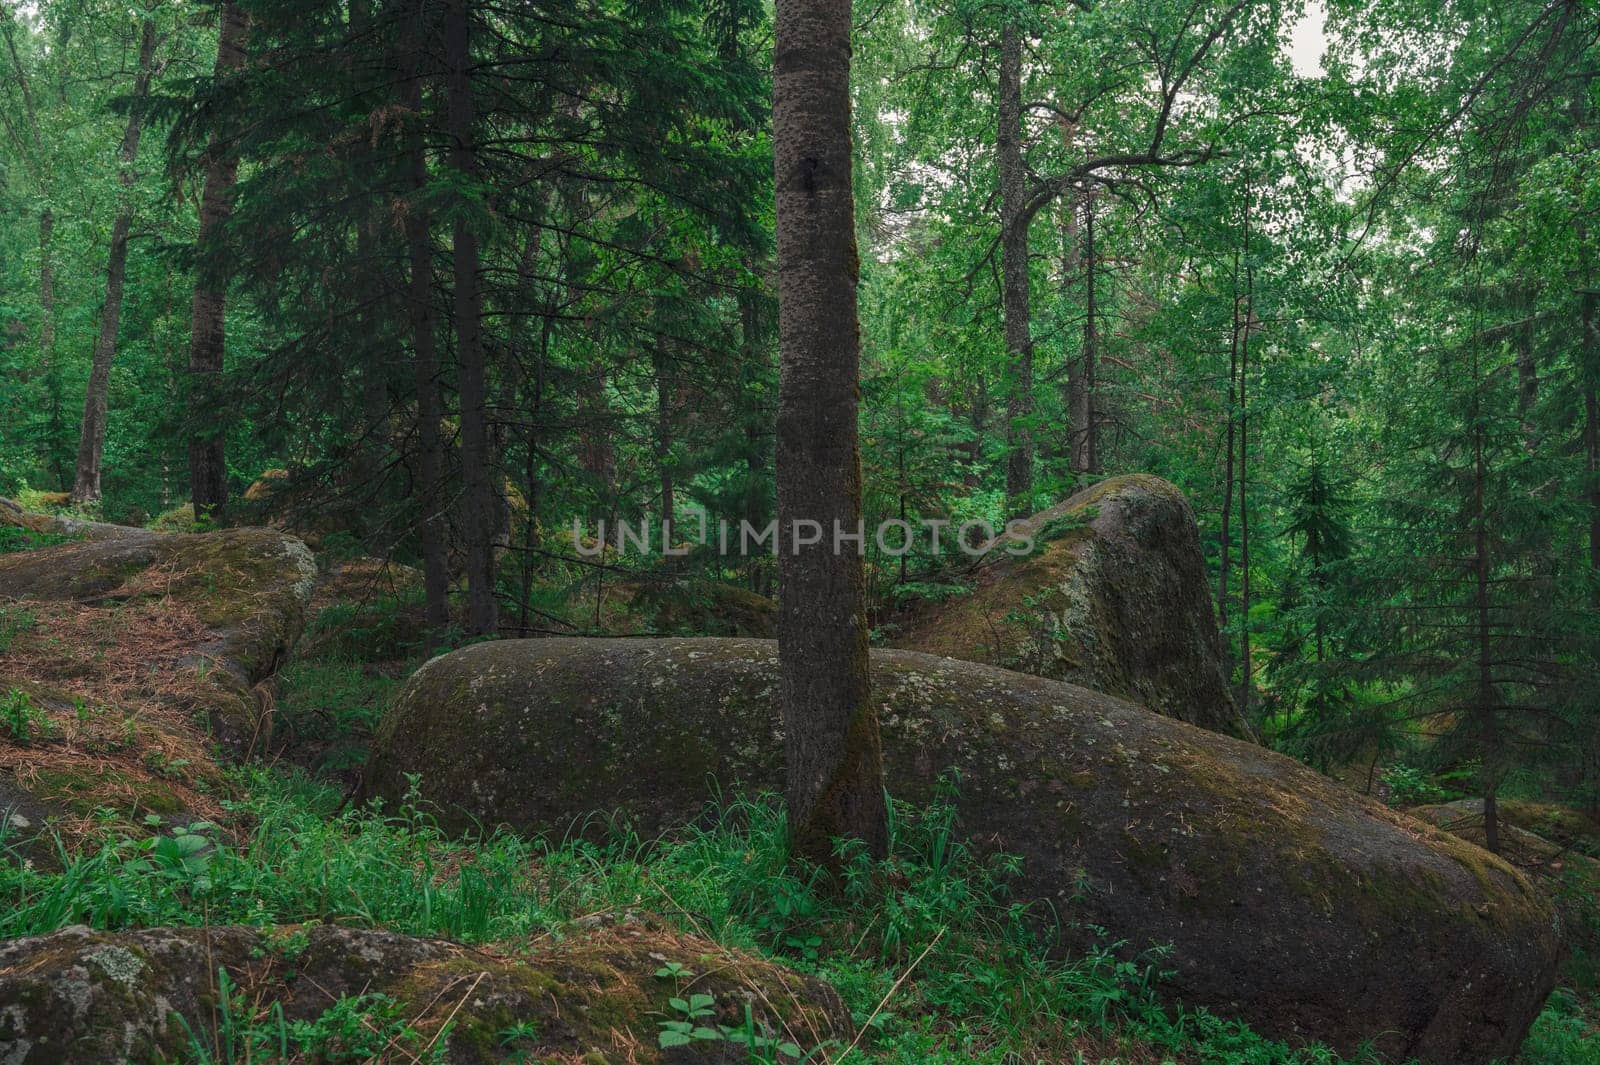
(935, 964)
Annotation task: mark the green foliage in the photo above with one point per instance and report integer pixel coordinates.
(334, 705)
(15, 538)
(355, 1028)
(20, 719)
(1410, 786)
(381, 629)
(688, 1027)
(1056, 528)
(15, 620)
(1563, 1035)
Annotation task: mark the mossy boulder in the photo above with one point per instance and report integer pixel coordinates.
(1112, 596)
(1556, 847)
(14, 514)
(1287, 899)
(84, 996)
(127, 661)
(263, 487)
(179, 519)
(249, 588)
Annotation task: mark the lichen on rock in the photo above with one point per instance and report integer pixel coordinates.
(1112, 596)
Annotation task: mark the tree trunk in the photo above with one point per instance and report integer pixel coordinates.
(1589, 366)
(481, 509)
(208, 469)
(1226, 546)
(665, 397)
(756, 424)
(57, 445)
(1085, 442)
(92, 436)
(1488, 723)
(30, 151)
(834, 782)
(1244, 467)
(1527, 367)
(434, 528)
(1589, 375)
(1014, 295)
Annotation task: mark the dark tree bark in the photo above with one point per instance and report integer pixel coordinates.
(666, 390)
(1245, 664)
(1014, 294)
(1591, 418)
(835, 763)
(1589, 376)
(208, 468)
(92, 436)
(1486, 708)
(754, 328)
(434, 527)
(481, 509)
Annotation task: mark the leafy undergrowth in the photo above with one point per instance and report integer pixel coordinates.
(1565, 1034)
(14, 538)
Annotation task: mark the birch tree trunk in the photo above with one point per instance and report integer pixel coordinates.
(92, 435)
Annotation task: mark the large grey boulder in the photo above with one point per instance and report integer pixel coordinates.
(1112, 596)
(1288, 900)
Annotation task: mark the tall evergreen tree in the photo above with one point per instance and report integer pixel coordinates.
(835, 762)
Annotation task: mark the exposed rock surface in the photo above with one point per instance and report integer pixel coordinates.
(1288, 900)
(1556, 847)
(127, 658)
(80, 996)
(1113, 597)
(65, 525)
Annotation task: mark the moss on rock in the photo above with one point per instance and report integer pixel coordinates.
(1113, 596)
(1288, 900)
(81, 996)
